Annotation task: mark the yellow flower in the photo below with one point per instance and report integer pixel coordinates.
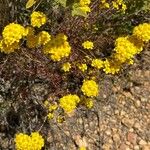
(32, 41)
(88, 103)
(84, 2)
(111, 66)
(25, 142)
(38, 19)
(52, 107)
(82, 67)
(8, 48)
(97, 63)
(142, 32)
(57, 48)
(13, 33)
(66, 66)
(43, 38)
(125, 49)
(82, 148)
(85, 9)
(50, 115)
(88, 45)
(69, 102)
(89, 88)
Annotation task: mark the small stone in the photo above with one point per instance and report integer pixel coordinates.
(123, 146)
(137, 103)
(128, 122)
(108, 132)
(137, 125)
(132, 137)
(136, 147)
(142, 142)
(116, 138)
(146, 147)
(106, 147)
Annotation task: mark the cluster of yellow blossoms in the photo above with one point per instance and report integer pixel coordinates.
(142, 32)
(38, 19)
(57, 48)
(116, 4)
(25, 142)
(42, 38)
(69, 102)
(84, 5)
(66, 67)
(88, 45)
(97, 63)
(127, 47)
(90, 88)
(11, 36)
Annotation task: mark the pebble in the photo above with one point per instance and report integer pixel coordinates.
(128, 122)
(142, 142)
(132, 137)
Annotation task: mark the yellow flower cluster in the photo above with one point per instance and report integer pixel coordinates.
(97, 63)
(66, 66)
(88, 103)
(125, 49)
(111, 66)
(69, 102)
(84, 5)
(89, 88)
(57, 48)
(88, 45)
(40, 39)
(43, 38)
(142, 32)
(82, 67)
(25, 142)
(104, 4)
(117, 4)
(51, 108)
(38, 19)
(12, 34)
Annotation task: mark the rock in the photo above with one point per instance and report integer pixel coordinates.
(136, 147)
(146, 147)
(137, 125)
(142, 142)
(132, 137)
(128, 122)
(137, 103)
(123, 146)
(116, 139)
(108, 132)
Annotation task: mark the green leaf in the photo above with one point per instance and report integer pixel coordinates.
(30, 3)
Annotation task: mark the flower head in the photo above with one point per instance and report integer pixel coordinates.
(142, 32)
(25, 142)
(57, 48)
(82, 67)
(88, 45)
(66, 66)
(13, 33)
(69, 102)
(89, 88)
(97, 63)
(38, 19)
